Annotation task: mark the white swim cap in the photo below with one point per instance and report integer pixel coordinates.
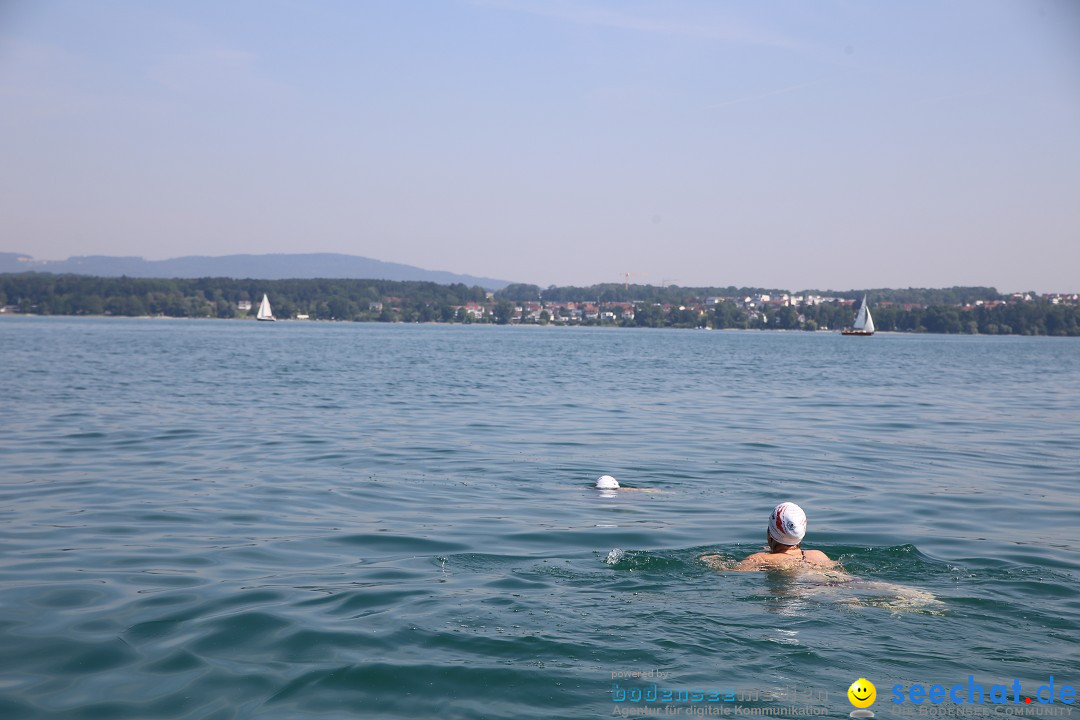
(606, 482)
(787, 524)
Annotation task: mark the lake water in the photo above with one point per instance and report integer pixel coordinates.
(224, 519)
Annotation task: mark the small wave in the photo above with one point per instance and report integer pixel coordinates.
(660, 562)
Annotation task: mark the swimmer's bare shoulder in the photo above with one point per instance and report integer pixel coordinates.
(816, 557)
(761, 561)
(719, 562)
(779, 561)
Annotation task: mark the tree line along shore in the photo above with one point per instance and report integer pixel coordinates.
(958, 310)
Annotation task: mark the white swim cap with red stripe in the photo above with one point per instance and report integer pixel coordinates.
(787, 524)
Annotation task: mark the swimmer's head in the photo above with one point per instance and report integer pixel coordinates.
(606, 482)
(787, 524)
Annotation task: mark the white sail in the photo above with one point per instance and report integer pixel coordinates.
(264, 310)
(863, 321)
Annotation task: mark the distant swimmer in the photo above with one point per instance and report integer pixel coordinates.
(607, 485)
(787, 527)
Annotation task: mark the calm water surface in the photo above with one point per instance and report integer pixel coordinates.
(224, 519)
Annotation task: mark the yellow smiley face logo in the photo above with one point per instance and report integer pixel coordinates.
(862, 693)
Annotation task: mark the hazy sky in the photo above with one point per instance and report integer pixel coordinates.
(825, 143)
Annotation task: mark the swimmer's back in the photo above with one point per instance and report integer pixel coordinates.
(783, 561)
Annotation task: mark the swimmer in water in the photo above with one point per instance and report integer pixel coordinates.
(814, 574)
(787, 526)
(607, 486)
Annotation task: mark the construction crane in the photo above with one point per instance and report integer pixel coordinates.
(626, 279)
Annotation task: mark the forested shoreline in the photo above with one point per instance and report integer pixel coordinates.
(960, 310)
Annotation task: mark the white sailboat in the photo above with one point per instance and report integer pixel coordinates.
(864, 323)
(264, 310)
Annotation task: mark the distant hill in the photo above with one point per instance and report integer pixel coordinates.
(262, 267)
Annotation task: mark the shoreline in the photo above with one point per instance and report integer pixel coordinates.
(514, 325)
